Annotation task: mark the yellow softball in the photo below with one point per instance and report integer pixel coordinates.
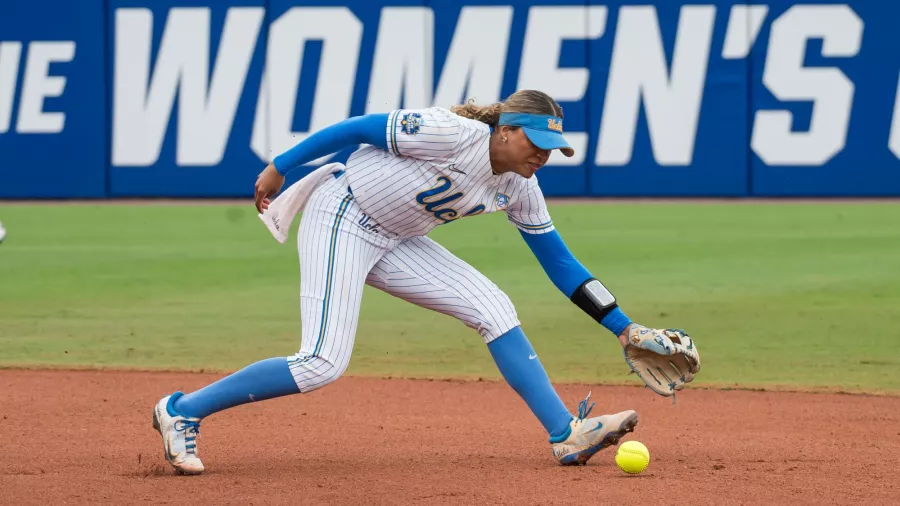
(633, 457)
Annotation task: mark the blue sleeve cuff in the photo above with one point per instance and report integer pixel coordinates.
(280, 167)
(616, 321)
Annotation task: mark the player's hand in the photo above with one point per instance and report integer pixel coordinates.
(268, 184)
(665, 359)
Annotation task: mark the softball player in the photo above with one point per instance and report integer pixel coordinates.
(367, 222)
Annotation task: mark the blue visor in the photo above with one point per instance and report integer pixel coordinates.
(543, 130)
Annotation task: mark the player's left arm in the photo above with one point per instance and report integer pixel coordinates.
(528, 212)
(665, 359)
(576, 282)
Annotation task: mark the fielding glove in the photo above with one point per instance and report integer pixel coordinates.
(664, 359)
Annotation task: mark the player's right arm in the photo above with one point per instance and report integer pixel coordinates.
(368, 129)
(427, 134)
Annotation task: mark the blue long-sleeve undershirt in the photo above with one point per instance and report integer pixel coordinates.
(563, 269)
(368, 129)
(567, 273)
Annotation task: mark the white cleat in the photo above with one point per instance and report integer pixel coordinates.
(587, 436)
(179, 436)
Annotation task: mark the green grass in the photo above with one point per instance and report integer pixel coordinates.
(798, 295)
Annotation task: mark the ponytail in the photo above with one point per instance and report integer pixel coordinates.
(489, 114)
(523, 101)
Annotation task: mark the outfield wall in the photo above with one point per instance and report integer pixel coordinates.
(190, 98)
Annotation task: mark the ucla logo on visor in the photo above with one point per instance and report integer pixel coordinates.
(543, 130)
(536, 121)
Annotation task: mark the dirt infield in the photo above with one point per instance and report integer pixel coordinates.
(86, 437)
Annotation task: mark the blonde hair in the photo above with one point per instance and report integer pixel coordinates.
(525, 101)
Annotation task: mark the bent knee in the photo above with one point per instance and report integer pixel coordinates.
(494, 315)
(314, 371)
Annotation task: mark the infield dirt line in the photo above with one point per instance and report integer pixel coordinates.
(371, 441)
(723, 387)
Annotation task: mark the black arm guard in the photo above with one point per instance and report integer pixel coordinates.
(594, 299)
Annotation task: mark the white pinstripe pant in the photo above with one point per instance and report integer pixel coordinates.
(338, 256)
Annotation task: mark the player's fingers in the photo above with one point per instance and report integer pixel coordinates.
(258, 199)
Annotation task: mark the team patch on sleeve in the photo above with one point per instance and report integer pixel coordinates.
(425, 134)
(501, 200)
(411, 123)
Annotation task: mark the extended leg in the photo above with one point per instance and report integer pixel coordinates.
(335, 257)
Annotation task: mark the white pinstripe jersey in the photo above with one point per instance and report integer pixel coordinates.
(437, 169)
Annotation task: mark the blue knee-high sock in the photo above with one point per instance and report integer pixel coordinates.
(263, 380)
(519, 365)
